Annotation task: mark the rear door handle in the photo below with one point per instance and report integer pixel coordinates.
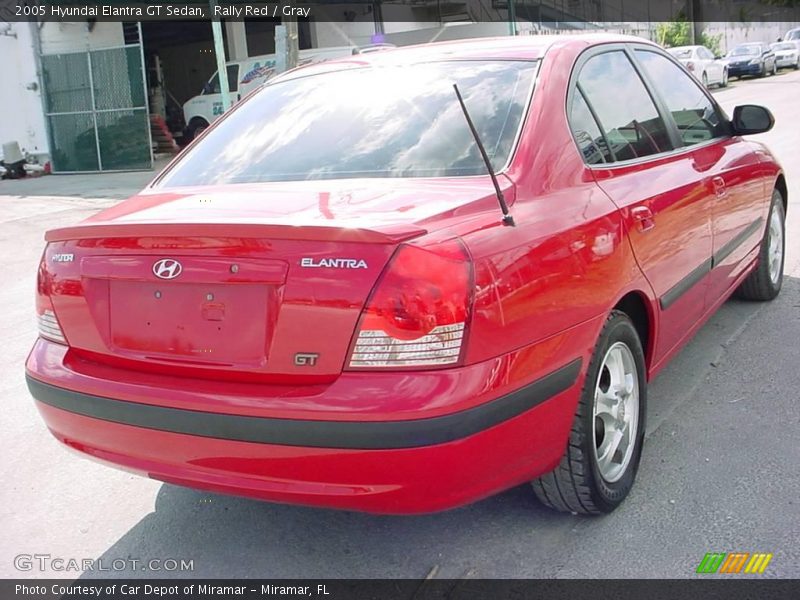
(719, 186)
(643, 217)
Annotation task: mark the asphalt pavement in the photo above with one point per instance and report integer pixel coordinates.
(719, 472)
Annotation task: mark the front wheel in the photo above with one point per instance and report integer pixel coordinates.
(765, 282)
(705, 81)
(724, 83)
(605, 444)
(775, 68)
(196, 126)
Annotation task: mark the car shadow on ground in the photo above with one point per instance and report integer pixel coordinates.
(234, 537)
(508, 535)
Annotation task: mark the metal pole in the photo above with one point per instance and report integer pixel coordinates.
(146, 94)
(512, 18)
(219, 50)
(292, 42)
(94, 111)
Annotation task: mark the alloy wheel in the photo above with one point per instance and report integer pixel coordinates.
(616, 412)
(775, 250)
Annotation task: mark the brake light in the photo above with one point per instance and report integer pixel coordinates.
(418, 311)
(46, 320)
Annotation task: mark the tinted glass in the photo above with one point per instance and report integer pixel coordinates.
(587, 133)
(745, 51)
(383, 121)
(696, 116)
(681, 52)
(233, 80)
(623, 106)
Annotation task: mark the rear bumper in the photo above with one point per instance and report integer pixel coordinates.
(408, 465)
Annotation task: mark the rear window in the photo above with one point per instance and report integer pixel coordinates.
(681, 52)
(386, 121)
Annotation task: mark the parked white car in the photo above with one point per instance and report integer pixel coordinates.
(244, 76)
(702, 63)
(792, 35)
(787, 54)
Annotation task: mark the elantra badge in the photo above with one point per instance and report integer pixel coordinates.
(167, 268)
(334, 263)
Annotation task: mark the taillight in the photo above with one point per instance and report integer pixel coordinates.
(418, 312)
(690, 66)
(45, 316)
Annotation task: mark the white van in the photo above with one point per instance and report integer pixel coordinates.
(244, 76)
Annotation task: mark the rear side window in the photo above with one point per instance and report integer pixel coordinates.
(624, 108)
(587, 134)
(695, 115)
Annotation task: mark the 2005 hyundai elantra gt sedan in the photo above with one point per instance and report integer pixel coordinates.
(407, 280)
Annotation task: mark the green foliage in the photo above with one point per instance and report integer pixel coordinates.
(712, 42)
(674, 33)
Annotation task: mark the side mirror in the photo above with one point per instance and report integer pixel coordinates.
(207, 88)
(751, 118)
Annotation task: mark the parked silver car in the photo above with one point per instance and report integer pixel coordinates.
(702, 63)
(787, 54)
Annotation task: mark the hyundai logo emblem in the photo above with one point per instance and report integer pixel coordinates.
(167, 268)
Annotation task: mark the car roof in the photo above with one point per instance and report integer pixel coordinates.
(531, 47)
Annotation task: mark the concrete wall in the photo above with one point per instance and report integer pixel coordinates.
(22, 115)
(738, 33)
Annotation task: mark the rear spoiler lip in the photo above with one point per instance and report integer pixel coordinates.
(380, 234)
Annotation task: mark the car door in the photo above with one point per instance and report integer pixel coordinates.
(713, 67)
(662, 195)
(703, 66)
(730, 166)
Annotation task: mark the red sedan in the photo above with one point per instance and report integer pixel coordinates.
(407, 280)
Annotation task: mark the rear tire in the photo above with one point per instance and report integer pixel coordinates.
(705, 81)
(765, 282)
(724, 83)
(605, 443)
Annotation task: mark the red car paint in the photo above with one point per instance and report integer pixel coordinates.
(404, 440)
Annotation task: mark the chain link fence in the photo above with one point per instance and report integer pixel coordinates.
(96, 110)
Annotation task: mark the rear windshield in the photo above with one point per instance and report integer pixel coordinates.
(386, 121)
(681, 52)
(784, 46)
